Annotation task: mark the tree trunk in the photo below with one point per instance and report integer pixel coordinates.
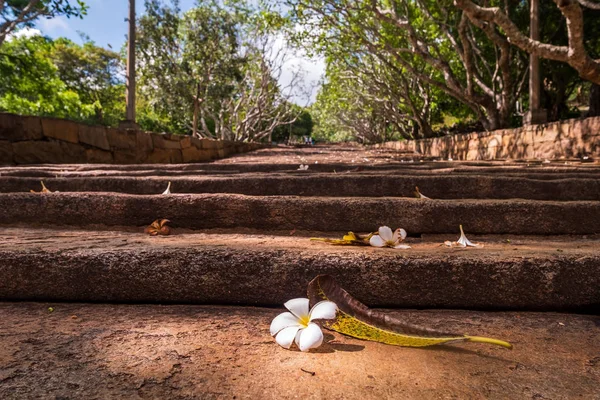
(196, 109)
(594, 110)
(195, 123)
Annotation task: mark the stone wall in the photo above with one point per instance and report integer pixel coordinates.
(35, 140)
(570, 138)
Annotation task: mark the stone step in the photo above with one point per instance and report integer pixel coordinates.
(333, 185)
(210, 352)
(257, 268)
(539, 171)
(205, 211)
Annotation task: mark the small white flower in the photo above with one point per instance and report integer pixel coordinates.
(463, 241)
(386, 238)
(168, 191)
(297, 325)
(303, 167)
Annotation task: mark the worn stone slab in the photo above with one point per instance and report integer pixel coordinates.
(99, 156)
(164, 143)
(61, 129)
(202, 211)
(215, 169)
(6, 152)
(212, 144)
(159, 156)
(194, 154)
(333, 185)
(18, 128)
(53, 151)
(122, 139)
(143, 145)
(199, 352)
(125, 156)
(94, 136)
(35, 151)
(258, 268)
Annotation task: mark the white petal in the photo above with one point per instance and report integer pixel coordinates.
(285, 337)
(298, 307)
(168, 191)
(399, 235)
(376, 241)
(297, 338)
(463, 241)
(283, 321)
(402, 246)
(448, 243)
(311, 337)
(323, 310)
(385, 233)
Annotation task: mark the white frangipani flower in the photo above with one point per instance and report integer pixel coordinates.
(463, 241)
(385, 238)
(297, 325)
(303, 167)
(168, 191)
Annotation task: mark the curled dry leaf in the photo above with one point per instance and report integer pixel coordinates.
(158, 227)
(420, 195)
(350, 239)
(44, 189)
(355, 319)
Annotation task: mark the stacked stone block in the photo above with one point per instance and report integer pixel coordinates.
(40, 140)
(563, 139)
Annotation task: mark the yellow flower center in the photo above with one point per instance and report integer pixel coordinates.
(304, 320)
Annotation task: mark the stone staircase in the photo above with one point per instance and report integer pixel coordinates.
(82, 284)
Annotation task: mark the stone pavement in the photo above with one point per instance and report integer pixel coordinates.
(241, 237)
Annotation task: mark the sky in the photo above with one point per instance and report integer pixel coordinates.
(106, 25)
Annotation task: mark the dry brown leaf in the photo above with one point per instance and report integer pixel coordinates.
(44, 189)
(158, 227)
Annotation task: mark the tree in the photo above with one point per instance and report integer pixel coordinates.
(260, 105)
(15, 14)
(96, 74)
(59, 78)
(430, 41)
(187, 61)
(30, 82)
(214, 70)
(574, 53)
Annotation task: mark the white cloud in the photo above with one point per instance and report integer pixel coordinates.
(54, 26)
(311, 69)
(25, 32)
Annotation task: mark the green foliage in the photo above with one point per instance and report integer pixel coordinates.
(199, 49)
(95, 74)
(30, 82)
(16, 14)
(61, 79)
(302, 126)
(210, 70)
